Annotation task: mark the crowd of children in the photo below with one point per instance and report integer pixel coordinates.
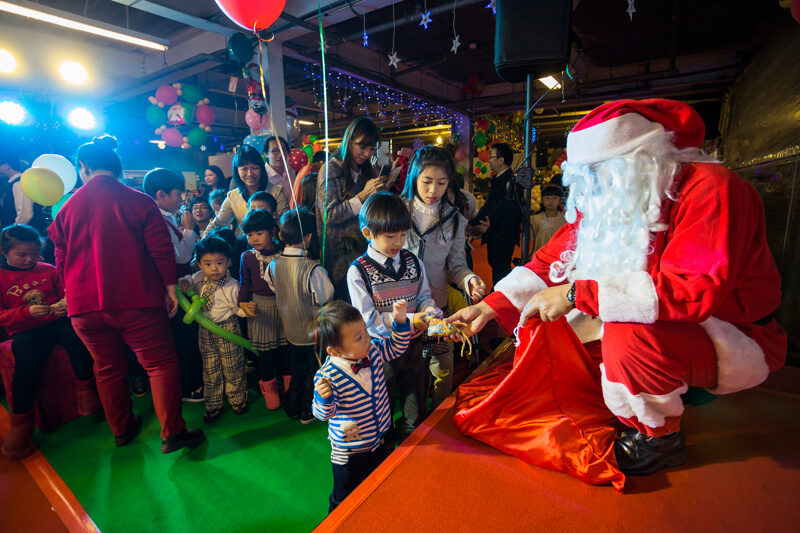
(340, 342)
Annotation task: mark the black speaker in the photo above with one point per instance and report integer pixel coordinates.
(531, 37)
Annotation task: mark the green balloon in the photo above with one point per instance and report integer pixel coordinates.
(56, 208)
(191, 94)
(313, 138)
(196, 136)
(309, 150)
(492, 127)
(192, 311)
(480, 139)
(461, 170)
(156, 116)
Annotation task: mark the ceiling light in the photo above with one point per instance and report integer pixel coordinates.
(12, 113)
(550, 82)
(439, 140)
(305, 122)
(41, 13)
(82, 119)
(73, 72)
(7, 62)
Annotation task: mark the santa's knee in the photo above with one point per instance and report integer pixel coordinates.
(627, 344)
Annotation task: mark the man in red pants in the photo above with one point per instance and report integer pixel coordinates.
(665, 259)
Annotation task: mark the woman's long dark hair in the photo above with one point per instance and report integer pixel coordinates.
(247, 155)
(222, 182)
(365, 131)
(429, 156)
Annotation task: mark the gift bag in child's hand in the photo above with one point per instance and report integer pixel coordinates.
(546, 407)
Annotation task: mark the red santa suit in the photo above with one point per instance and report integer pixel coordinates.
(700, 314)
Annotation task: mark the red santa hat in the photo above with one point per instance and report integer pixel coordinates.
(616, 128)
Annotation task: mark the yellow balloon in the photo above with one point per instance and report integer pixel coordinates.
(42, 185)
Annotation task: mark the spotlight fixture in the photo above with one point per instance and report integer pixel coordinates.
(82, 119)
(7, 62)
(68, 20)
(73, 72)
(439, 140)
(550, 82)
(12, 113)
(305, 122)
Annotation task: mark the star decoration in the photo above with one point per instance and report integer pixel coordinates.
(631, 10)
(366, 38)
(426, 19)
(456, 44)
(203, 148)
(324, 45)
(492, 6)
(393, 59)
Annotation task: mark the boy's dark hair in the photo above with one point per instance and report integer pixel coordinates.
(292, 221)
(505, 152)
(217, 194)
(329, 323)
(162, 179)
(211, 245)
(319, 157)
(384, 213)
(258, 220)
(276, 139)
(99, 154)
(264, 196)
(18, 233)
(226, 234)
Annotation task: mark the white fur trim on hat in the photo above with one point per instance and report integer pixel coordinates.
(740, 360)
(519, 286)
(628, 298)
(649, 409)
(614, 137)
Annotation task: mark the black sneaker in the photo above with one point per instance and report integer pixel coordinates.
(307, 418)
(195, 396)
(640, 455)
(189, 437)
(140, 386)
(131, 434)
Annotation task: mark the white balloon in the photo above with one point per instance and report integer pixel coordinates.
(61, 166)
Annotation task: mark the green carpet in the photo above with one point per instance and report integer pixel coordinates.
(257, 472)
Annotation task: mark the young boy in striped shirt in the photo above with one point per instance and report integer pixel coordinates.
(350, 391)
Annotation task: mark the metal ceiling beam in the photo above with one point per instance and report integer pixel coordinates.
(177, 16)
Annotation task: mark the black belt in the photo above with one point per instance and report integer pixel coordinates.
(766, 320)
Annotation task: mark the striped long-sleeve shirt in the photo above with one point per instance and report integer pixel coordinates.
(357, 419)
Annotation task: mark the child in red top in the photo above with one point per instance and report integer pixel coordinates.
(33, 312)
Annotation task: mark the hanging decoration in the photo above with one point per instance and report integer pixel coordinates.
(255, 96)
(631, 10)
(456, 42)
(364, 19)
(493, 6)
(174, 124)
(393, 59)
(426, 16)
(474, 85)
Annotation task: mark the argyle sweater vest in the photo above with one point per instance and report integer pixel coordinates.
(386, 286)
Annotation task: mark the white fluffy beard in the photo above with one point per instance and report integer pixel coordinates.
(620, 202)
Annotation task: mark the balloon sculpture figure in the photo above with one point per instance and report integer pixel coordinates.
(173, 107)
(192, 310)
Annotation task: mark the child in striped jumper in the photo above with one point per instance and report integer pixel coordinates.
(350, 391)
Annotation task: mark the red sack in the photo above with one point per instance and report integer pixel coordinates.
(545, 407)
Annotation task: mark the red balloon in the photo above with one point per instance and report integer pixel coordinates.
(795, 8)
(307, 139)
(205, 115)
(482, 125)
(250, 14)
(172, 137)
(167, 94)
(297, 159)
(484, 156)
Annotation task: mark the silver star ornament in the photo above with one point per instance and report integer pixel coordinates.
(456, 44)
(631, 10)
(426, 19)
(393, 59)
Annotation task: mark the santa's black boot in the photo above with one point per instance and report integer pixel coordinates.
(640, 455)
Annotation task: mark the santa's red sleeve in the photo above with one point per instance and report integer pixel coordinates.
(513, 291)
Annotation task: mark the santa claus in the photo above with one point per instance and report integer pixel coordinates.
(665, 259)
